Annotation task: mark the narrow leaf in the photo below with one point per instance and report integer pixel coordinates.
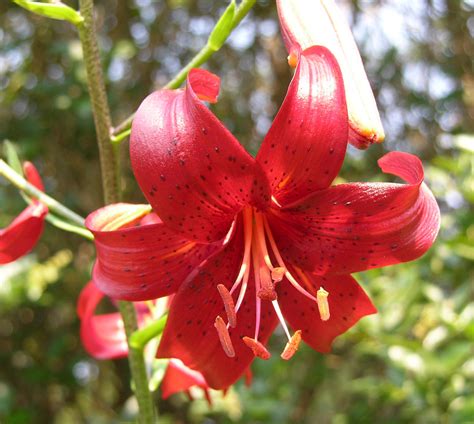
(12, 157)
(52, 10)
(223, 28)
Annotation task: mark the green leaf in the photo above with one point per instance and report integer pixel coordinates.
(12, 157)
(52, 10)
(223, 28)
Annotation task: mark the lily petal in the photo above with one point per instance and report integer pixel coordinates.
(307, 23)
(354, 227)
(102, 336)
(306, 144)
(25, 230)
(191, 169)
(190, 335)
(178, 378)
(23, 233)
(348, 303)
(140, 262)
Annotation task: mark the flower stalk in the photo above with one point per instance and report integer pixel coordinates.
(109, 168)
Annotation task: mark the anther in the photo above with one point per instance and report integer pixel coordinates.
(278, 273)
(224, 337)
(323, 305)
(292, 346)
(258, 348)
(228, 305)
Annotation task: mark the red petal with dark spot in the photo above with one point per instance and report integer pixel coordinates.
(348, 303)
(191, 169)
(141, 262)
(354, 227)
(102, 336)
(190, 334)
(305, 147)
(23, 233)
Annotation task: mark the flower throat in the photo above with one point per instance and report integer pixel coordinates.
(256, 259)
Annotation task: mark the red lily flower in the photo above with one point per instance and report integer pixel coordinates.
(103, 337)
(246, 243)
(23, 233)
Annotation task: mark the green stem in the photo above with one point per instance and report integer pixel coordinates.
(140, 338)
(18, 181)
(201, 57)
(66, 226)
(137, 365)
(100, 106)
(109, 165)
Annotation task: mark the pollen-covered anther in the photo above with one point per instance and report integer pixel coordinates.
(258, 348)
(278, 273)
(224, 337)
(292, 346)
(323, 305)
(228, 305)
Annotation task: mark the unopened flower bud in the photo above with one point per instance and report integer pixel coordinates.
(306, 23)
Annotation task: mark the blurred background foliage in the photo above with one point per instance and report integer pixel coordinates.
(411, 363)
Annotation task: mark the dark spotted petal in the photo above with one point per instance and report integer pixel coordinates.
(348, 303)
(305, 147)
(190, 334)
(191, 169)
(140, 262)
(354, 227)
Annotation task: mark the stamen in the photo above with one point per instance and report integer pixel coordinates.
(278, 273)
(280, 261)
(247, 213)
(224, 337)
(228, 305)
(258, 348)
(276, 306)
(323, 304)
(292, 346)
(258, 302)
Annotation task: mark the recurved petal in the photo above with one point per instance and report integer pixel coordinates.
(23, 233)
(191, 169)
(190, 334)
(307, 23)
(348, 303)
(32, 175)
(306, 144)
(354, 227)
(140, 262)
(178, 378)
(102, 336)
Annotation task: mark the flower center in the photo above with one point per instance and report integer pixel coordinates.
(256, 258)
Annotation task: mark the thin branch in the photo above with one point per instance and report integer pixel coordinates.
(201, 57)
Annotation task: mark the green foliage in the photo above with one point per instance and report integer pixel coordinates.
(223, 28)
(56, 10)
